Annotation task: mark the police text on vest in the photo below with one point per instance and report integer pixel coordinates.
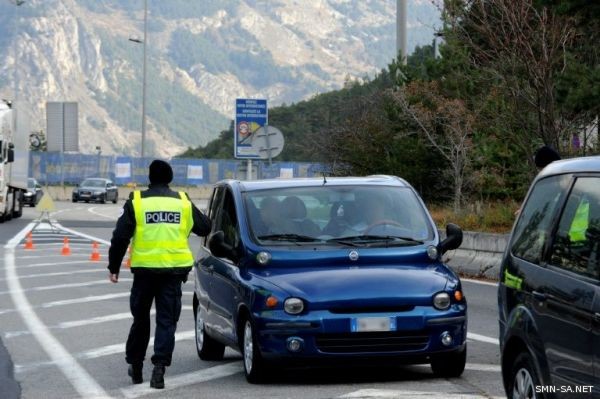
(163, 217)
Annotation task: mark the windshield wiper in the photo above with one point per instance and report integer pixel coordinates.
(288, 237)
(367, 238)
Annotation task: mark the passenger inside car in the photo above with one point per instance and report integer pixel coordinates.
(294, 218)
(343, 218)
(270, 217)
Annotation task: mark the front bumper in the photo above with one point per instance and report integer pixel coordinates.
(88, 196)
(415, 336)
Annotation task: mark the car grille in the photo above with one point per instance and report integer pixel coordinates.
(369, 342)
(85, 193)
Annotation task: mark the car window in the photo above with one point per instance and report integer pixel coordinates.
(532, 230)
(326, 213)
(577, 239)
(227, 221)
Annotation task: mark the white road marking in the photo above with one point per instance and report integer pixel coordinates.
(61, 286)
(93, 210)
(69, 273)
(98, 240)
(93, 298)
(483, 338)
(85, 322)
(102, 351)
(182, 380)
(83, 383)
(48, 264)
(479, 282)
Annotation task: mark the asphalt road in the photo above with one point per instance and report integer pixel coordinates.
(63, 328)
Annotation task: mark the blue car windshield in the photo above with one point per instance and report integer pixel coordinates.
(344, 215)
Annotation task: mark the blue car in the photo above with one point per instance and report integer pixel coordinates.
(316, 271)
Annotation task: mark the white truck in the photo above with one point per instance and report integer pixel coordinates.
(14, 162)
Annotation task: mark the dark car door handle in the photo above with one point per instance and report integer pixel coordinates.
(540, 296)
(210, 268)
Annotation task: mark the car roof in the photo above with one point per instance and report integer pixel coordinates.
(572, 165)
(376, 180)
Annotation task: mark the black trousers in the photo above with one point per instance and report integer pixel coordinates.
(165, 289)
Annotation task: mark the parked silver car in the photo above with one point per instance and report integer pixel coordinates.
(97, 190)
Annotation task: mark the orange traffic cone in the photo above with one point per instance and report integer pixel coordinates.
(95, 256)
(128, 262)
(29, 242)
(66, 250)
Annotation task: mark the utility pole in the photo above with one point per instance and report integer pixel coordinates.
(401, 36)
(144, 80)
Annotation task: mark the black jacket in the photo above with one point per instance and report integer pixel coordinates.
(126, 227)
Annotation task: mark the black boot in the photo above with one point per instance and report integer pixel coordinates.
(158, 377)
(135, 372)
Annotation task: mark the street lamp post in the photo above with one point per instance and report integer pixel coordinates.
(143, 42)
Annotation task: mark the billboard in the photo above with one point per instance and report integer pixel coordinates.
(250, 115)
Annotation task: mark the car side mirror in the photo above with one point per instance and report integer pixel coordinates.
(454, 237)
(219, 248)
(11, 155)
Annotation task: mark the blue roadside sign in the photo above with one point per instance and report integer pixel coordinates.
(250, 115)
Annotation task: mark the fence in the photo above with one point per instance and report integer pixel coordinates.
(65, 168)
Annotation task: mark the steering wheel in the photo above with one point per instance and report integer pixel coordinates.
(383, 222)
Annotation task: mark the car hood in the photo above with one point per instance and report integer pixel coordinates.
(364, 286)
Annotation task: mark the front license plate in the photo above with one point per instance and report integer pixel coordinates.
(362, 324)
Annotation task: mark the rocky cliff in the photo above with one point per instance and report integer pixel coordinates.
(201, 56)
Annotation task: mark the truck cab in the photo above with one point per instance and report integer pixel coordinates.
(14, 163)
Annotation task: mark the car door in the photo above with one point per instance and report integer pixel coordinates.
(205, 263)
(560, 290)
(557, 294)
(225, 277)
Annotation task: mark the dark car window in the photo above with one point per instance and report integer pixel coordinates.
(533, 227)
(227, 221)
(577, 239)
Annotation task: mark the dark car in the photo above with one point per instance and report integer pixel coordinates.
(549, 287)
(96, 190)
(312, 271)
(34, 193)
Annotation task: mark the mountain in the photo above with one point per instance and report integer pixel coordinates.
(202, 54)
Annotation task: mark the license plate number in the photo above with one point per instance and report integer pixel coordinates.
(363, 324)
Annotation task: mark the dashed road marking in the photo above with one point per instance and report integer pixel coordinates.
(83, 383)
(483, 338)
(85, 322)
(102, 351)
(61, 286)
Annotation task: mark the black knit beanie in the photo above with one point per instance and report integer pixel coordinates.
(160, 172)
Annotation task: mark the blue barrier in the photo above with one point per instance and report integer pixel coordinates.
(55, 168)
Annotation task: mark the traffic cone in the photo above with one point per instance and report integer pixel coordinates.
(29, 241)
(95, 256)
(66, 250)
(128, 262)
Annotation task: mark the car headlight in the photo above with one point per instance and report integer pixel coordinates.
(441, 301)
(293, 305)
(28, 194)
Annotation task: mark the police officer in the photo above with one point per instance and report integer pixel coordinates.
(158, 222)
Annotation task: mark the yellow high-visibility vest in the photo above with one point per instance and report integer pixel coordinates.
(580, 222)
(163, 225)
